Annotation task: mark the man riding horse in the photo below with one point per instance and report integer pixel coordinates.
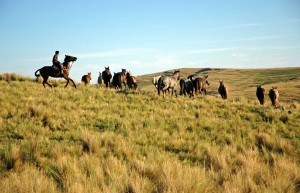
(57, 63)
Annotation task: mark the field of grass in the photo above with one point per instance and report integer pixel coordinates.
(93, 139)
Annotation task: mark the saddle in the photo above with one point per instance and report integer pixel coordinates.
(56, 70)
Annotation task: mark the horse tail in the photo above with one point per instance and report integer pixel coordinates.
(197, 87)
(37, 75)
(159, 85)
(182, 87)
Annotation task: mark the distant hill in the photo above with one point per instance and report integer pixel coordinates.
(242, 82)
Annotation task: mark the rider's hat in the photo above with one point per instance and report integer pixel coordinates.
(56, 52)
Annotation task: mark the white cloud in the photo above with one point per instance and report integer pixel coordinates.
(211, 50)
(275, 48)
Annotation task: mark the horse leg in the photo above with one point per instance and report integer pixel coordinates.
(45, 82)
(68, 80)
(67, 83)
(73, 82)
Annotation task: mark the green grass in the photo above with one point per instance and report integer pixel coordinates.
(93, 139)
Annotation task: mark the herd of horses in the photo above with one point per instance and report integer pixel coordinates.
(196, 85)
(191, 86)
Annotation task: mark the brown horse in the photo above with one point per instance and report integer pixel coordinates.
(119, 79)
(200, 84)
(86, 79)
(131, 81)
(51, 71)
(274, 95)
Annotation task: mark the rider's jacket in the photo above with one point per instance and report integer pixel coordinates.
(55, 59)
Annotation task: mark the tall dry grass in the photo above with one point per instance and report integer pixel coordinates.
(93, 139)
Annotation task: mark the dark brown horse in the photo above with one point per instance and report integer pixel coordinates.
(131, 81)
(51, 71)
(186, 86)
(86, 79)
(223, 90)
(119, 79)
(260, 93)
(201, 84)
(106, 76)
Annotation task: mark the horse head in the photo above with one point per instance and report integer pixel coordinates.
(206, 79)
(177, 73)
(123, 71)
(89, 75)
(107, 70)
(70, 58)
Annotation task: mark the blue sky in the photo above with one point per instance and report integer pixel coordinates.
(149, 36)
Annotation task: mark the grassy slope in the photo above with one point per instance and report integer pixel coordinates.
(95, 140)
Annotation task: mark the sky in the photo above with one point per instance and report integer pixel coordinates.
(146, 36)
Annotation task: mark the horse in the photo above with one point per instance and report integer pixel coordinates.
(119, 79)
(260, 93)
(106, 77)
(51, 71)
(200, 84)
(223, 90)
(166, 82)
(86, 79)
(274, 95)
(186, 86)
(131, 81)
(155, 81)
(99, 79)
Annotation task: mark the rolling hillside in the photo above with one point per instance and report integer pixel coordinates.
(93, 139)
(242, 82)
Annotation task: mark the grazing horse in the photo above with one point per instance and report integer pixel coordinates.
(155, 81)
(131, 81)
(47, 71)
(167, 82)
(223, 90)
(86, 79)
(106, 76)
(260, 93)
(201, 84)
(99, 78)
(119, 79)
(274, 95)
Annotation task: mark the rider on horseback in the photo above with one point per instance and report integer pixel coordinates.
(56, 62)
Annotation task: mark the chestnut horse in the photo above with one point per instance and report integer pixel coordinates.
(51, 71)
(86, 79)
(131, 81)
(201, 84)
